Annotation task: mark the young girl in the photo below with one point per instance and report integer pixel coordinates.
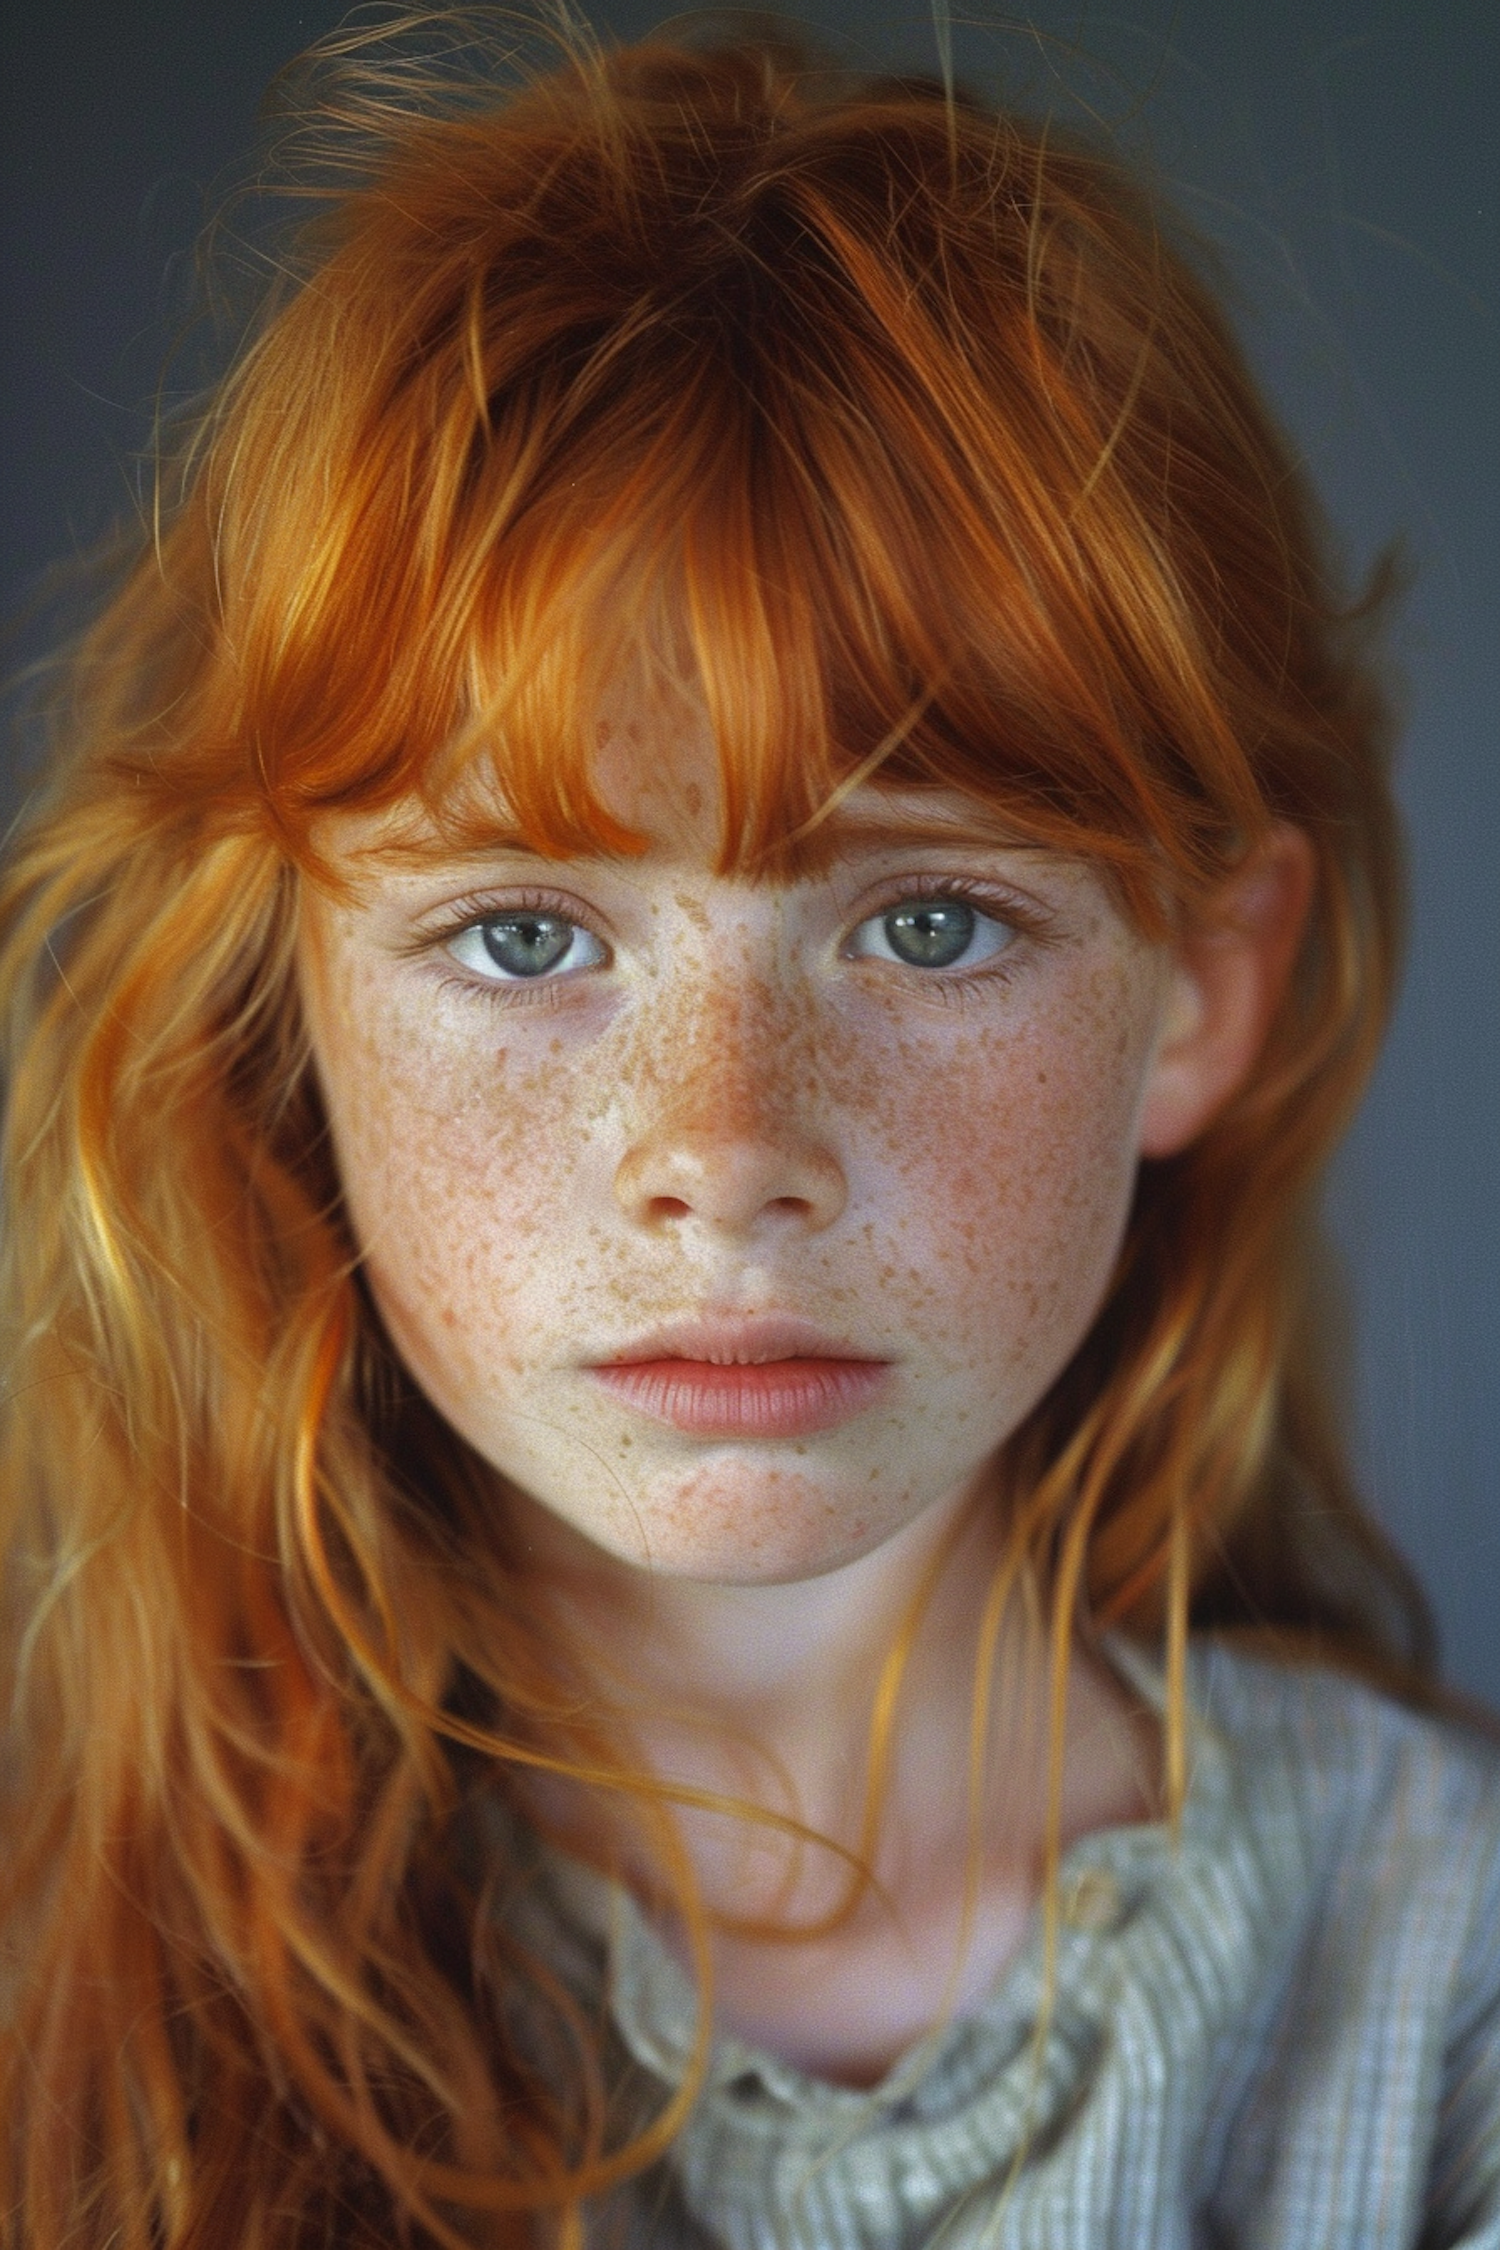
(678, 1571)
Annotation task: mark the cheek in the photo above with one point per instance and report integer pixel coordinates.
(455, 1161)
(1013, 1171)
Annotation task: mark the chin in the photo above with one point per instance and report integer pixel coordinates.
(732, 1526)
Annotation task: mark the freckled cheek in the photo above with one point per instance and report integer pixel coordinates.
(458, 1182)
(1014, 1201)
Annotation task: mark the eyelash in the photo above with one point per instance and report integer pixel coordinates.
(1024, 919)
(471, 914)
(1001, 907)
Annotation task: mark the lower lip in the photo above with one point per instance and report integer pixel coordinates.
(783, 1398)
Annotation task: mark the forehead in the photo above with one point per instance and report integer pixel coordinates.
(681, 830)
(658, 774)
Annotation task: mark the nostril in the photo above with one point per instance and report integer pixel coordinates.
(729, 1181)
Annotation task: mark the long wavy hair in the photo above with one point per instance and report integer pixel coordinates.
(913, 430)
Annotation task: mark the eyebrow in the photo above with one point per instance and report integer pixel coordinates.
(806, 854)
(816, 848)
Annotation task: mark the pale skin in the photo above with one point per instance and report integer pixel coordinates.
(735, 1101)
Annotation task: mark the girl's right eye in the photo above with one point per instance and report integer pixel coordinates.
(525, 945)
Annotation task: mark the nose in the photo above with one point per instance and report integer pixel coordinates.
(733, 1182)
(729, 1144)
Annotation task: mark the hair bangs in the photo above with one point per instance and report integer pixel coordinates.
(842, 468)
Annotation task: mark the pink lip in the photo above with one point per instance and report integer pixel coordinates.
(756, 1378)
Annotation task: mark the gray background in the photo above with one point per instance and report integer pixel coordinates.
(1343, 153)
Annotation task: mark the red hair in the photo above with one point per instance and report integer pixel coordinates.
(906, 429)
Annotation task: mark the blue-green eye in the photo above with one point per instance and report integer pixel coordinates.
(525, 944)
(934, 932)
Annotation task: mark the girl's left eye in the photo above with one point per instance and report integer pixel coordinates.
(525, 945)
(936, 932)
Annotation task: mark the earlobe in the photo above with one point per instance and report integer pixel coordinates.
(1228, 972)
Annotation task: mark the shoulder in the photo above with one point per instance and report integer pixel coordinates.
(1390, 1816)
(1348, 1765)
(1357, 1839)
(1369, 1836)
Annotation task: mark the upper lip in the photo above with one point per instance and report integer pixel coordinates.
(745, 1341)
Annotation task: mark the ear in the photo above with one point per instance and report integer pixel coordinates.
(1229, 969)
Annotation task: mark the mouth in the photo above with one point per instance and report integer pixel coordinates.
(760, 1378)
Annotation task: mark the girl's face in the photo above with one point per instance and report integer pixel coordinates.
(738, 1223)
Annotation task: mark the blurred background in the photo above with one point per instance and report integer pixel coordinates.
(1343, 156)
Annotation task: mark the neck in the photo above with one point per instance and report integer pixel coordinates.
(770, 1695)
